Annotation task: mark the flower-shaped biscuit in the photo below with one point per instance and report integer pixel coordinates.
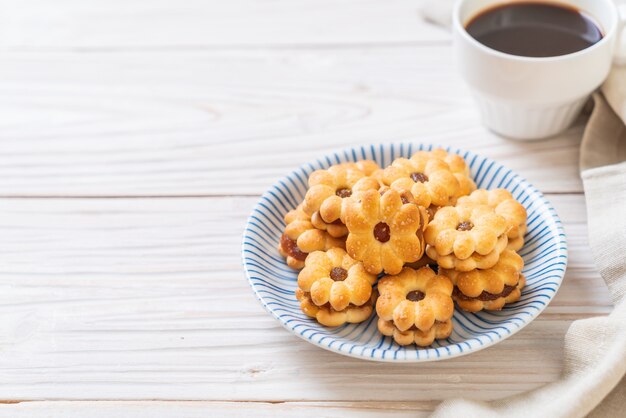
(429, 179)
(491, 288)
(328, 188)
(505, 205)
(336, 278)
(301, 237)
(384, 232)
(415, 306)
(455, 162)
(465, 231)
(329, 317)
(459, 168)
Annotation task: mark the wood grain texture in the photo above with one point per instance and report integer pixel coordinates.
(232, 122)
(203, 409)
(138, 299)
(141, 24)
(142, 301)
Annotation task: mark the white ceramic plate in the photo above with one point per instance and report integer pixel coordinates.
(274, 283)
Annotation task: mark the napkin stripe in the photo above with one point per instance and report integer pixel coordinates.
(274, 283)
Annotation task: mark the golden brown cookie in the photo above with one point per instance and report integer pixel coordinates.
(407, 197)
(428, 179)
(378, 176)
(328, 188)
(336, 229)
(368, 167)
(466, 237)
(456, 163)
(415, 306)
(489, 289)
(516, 244)
(438, 331)
(505, 205)
(384, 233)
(461, 171)
(333, 277)
(329, 317)
(301, 237)
(466, 186)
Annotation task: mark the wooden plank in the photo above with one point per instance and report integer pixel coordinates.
(131, 299)
(106, 24)
(203, 409)
(233, 122)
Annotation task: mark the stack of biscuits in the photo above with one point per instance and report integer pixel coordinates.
(474, 243)
(418, 224)
(333, 287)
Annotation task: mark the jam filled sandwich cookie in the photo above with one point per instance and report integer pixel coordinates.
(435, 178)
(301, 237)
(489, 289)
(505, 205)
(459, 168)
(415, 306)
(334, 288)
(384, 232)
(428, 179)
(328, 188)
(466, 237)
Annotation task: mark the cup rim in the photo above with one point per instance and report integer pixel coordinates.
(458, 26)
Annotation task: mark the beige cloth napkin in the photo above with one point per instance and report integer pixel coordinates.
(592, 382)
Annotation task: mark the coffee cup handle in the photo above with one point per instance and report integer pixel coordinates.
(620, 44)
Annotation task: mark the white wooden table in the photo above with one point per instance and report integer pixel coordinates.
(135, 137)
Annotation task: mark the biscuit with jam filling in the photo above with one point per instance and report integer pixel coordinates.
(415, 306)
(329, 317)
(301, 238)
(328, 188)
(489, 289)
(384, 233)
(428, 179)
(466, 237)
(460, 169)
(505, 205)
(333, 277)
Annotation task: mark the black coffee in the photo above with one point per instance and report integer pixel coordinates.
(534, 29)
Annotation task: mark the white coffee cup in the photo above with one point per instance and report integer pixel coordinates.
(532, 98)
